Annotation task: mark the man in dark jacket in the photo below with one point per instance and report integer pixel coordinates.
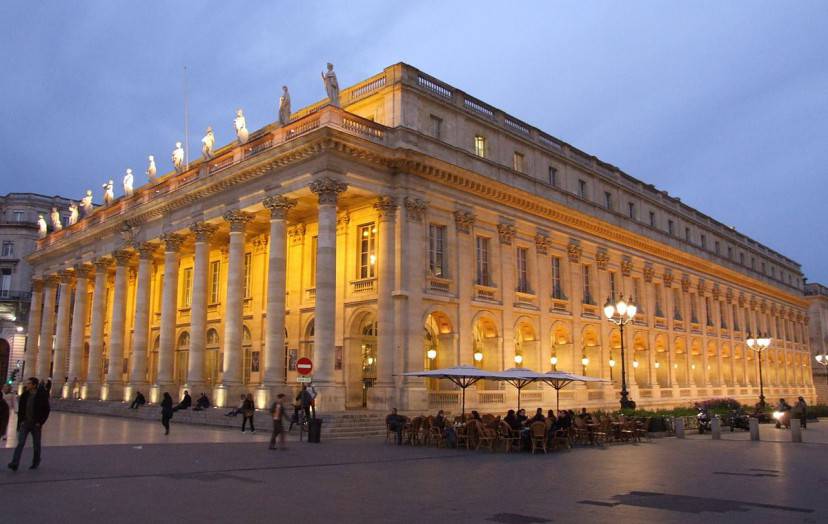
(32, 412)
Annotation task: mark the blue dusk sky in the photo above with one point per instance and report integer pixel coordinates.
(723, 104)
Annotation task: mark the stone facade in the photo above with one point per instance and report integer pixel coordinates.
(415, 220)
(817, 296)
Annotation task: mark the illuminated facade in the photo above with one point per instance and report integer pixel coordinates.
(415, 222)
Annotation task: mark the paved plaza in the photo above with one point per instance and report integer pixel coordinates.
(116, 470)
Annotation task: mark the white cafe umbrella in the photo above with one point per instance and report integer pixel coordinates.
(559, 379)
(518, 377)
(463, 376)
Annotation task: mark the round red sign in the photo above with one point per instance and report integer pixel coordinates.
(304, 366)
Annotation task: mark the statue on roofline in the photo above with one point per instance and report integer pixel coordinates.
(73, 213)
(128, 179)
(151, 169)
(86, 203)
(241, 126)
(207, 144)
(331, 85)
(55, 217)
(178, 157)
(109, 192)
(284, 106)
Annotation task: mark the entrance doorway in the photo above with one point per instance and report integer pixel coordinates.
(361, 370)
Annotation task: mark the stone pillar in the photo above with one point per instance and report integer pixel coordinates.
(33, 329)
(62, 334)
(464, 272)
(115, 374)
(233, 358)
(140, 329)
(47, 328)
(169, 313)
(78, 332)
(198, 305)
(92, 388)
(383, 392)
(413, 270)
(327, 190)
(274, 375)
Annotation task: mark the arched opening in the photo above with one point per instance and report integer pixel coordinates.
(726, 366)
(306, 344)
(751, 371)
(680, 363)
(527, 347)
(662, 362)
(438, 347)
(182, 357)
(562, 357)
(487, 351)
(713, 369)
(152, 364)
(361, 371)
(614, 357)
(696, 362)
(738, 363)
(591, 354)
(85, 362)
(252, 358)
(641, 360)
(212, 358)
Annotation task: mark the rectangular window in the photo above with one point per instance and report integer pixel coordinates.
(637, 296)
(736, 318)
(773, 272)
(763, 269)
(607, 200)
(670, 228)
(716, 247)
(248, 260)
(480, 146)
(687, 234)
(652, 219)
(587, 285)
(314, 243)
(159, 293)
(694, 313)
(703, 242)
(19, 216)
(215, 282)
(482, 246)
(722, 316)
(523, 270)
(753, 263)
(631, 209)
(659, 311)
(436, 250)
(517, 162)
(557, 282)
(5, 282)
(186, 286)
(612, 285)
(8, 249)
(742, 259)
(89, 307)
(708, 313)
(676, 304)
(436, 127)
(730, 252)
(553, 176)
(367, 250)
(582, 188)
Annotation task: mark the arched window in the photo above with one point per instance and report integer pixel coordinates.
(306, 344)
(213, 357)
(183, 341)
(212, 338)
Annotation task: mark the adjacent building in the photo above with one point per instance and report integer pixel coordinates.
(18, 232)
(817, 297)
(415, 226)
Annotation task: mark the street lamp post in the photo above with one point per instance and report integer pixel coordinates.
(760, 344)
(823, 360)
(622, 313)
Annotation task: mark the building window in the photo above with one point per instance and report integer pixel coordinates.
(659, 311)
(670, 228)
(729, 252)
(5, 282)
(582, 188)
(631, 209)
(436, 250)
(517, 162)
(248, 260)
(639, 299)
(523, 270)
(763, 269)
(708, 313)
(694, 313)
(773, 272)
(716, 247)
(314, 243)
(186, 286)
(367, 250)
(703, 242)
(553, 176)
(612, 285)
(19, 216)
(687, 234)
(722, 316)
(588, 299)
(735, 318)
(215, 274)
(8, 249)
(557, 282)
(741, 259)
(676, 304)
(607, 200)
(753, 263)
(483, 277)
(652, 219)
(436, 127)
(480, 146)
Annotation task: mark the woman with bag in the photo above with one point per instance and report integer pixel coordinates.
(248, 410)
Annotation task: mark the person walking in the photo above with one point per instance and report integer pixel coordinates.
(166, 412)
(248, 410)
(4, 416)
(277, 411)
(801, 408)
(305, 399)
(33, 410)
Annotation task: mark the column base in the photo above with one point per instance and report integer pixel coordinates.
(330, 398)
(57, 388)
(381, 397)
(415, 399)
(113, 391)
(91, 391)
(157, 392)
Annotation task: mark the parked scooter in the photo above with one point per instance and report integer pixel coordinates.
(737, 419)
(703, 417)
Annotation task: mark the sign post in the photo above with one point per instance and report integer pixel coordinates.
(304, 366)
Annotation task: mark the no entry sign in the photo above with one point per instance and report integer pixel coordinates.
(304, 366)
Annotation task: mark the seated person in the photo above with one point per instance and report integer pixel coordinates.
(440, 421)
(521, 416)
(537, 418)
(185, 403)
(564, 420)
(238, 409)
(586, 417)
(202, 403)
(475, 415)
(512, 420)
(139, 401)
(395, 423)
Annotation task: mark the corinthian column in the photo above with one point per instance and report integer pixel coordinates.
(198, 308)
(35, 314)
(138, 373)
(275, 332)
(47, 327)
(115, 375)
(78, 327)
(93, 373)
(387, 208)
(327, 189)
(169, 311)
(232, 377)
(62, 333)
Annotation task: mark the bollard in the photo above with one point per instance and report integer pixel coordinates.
(679, 423)
(796, 431)
(716, 428)
(754, 428)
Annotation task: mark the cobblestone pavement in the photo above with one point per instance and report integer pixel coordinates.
(222, 475)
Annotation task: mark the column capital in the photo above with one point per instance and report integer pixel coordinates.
(121, 257)
(506, 233)
(37, 285)
(464, 221)
(542, 243)
(237, 220)
(649, 272)
(602, 258)
(203, 231)
(626, 266)
(386, 207)
(172, 242)
(574, 250)
(415, 209)
(145, 250)
(82, 270)
(327, 189)
(102, 264)
(66, 277)
(278, 205)
(51, 280)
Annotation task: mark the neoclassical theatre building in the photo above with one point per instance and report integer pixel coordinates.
(413, 227)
